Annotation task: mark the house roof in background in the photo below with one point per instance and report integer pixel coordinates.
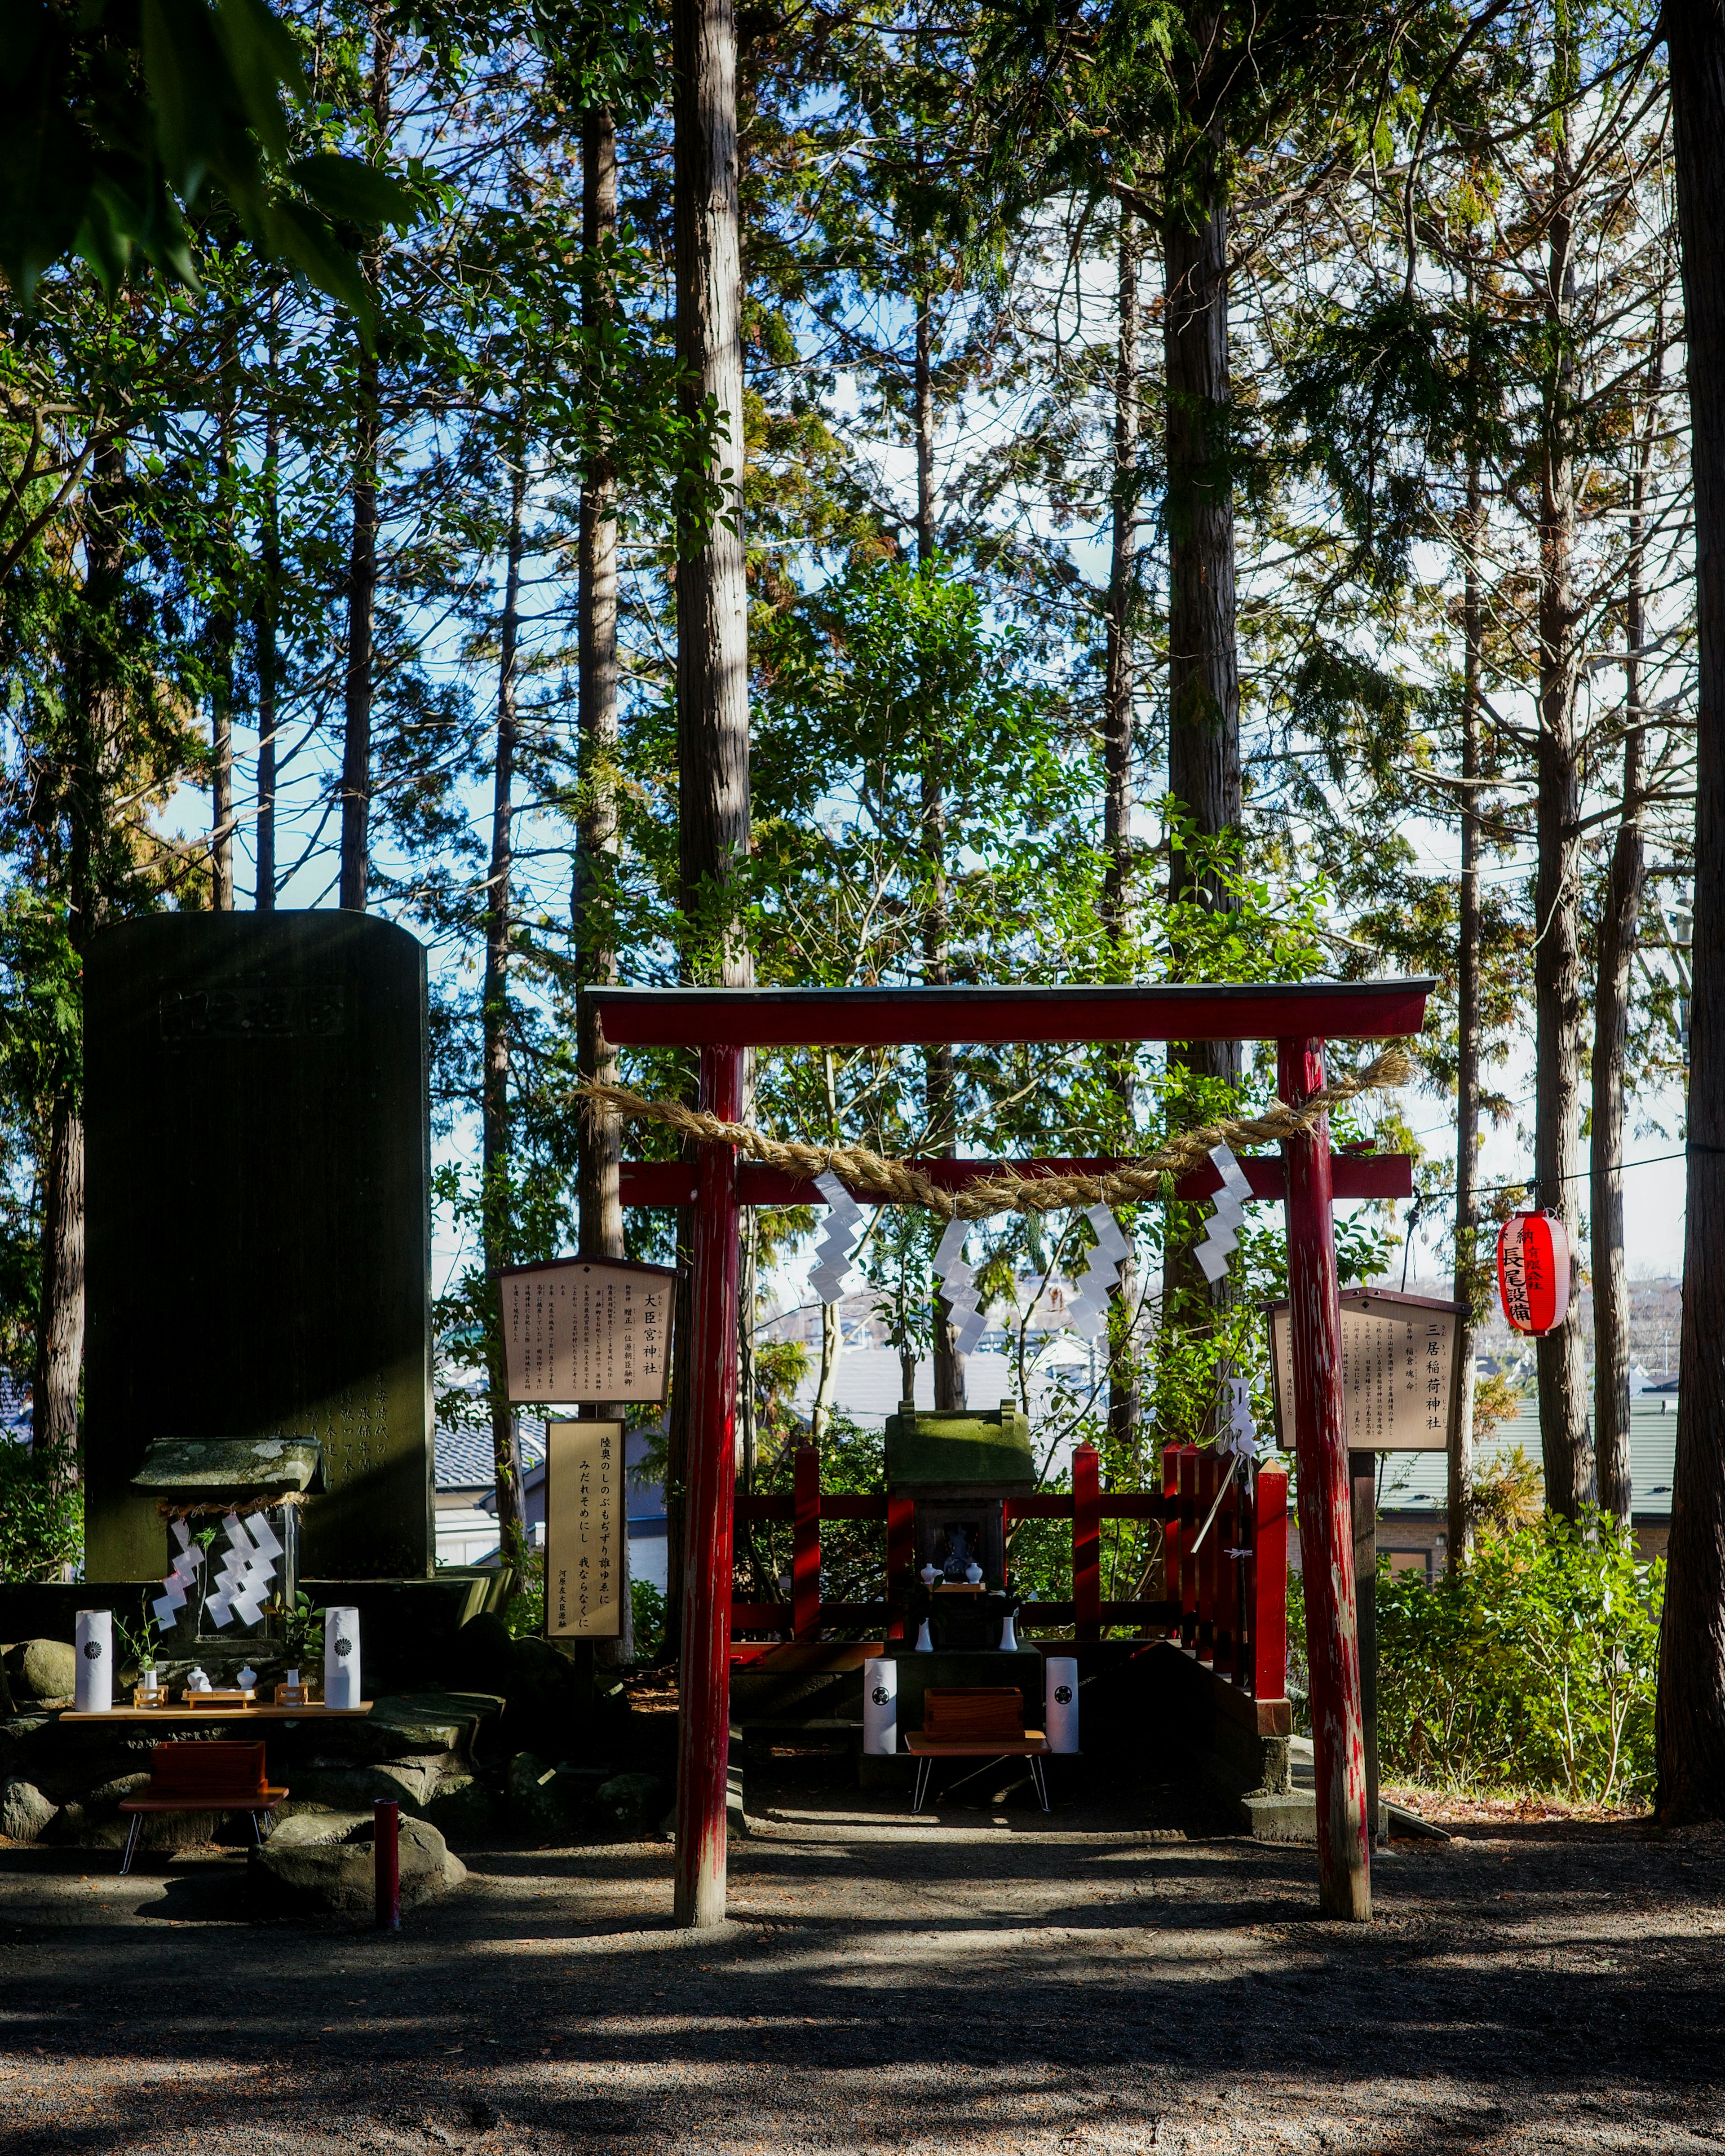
(1419, 1481)
(464, 1456)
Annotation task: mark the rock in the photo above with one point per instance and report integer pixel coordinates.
(736, 1820)
(627, 1806)
(480, 1653)
(319, 1863)
(42, 1669)
(413, 1784)
(464, 1810)
(105, 1797)
(412, 1722)
(25, 1813)
(542, 1804)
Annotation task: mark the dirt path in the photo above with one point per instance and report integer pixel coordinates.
(958, 1987)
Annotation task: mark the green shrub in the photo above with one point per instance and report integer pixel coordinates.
(41, 1518)
(1533, 1666)
(647, 1606)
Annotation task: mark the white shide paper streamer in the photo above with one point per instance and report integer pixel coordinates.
(93, 1690)
(341, 1658)
(1228, 1217)
(958, 1286)
(830, 1277)
(880, 1706)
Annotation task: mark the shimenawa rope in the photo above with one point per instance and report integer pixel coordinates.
(870, 1174)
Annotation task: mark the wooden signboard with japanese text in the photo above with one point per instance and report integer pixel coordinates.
(1401, 1378)
(584, 1527)
(590, 1330)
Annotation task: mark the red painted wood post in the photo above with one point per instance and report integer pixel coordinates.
(1269, 1583)
(1173, 1540)
(386, 1862)
(1210, 1478)
(1086, 1542)
(805, 1546)
(1344, 1859)
(901, 1556)
(1191, 1519)
(1226, 1532)
(704, 1695)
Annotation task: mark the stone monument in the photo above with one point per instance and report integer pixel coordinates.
(258, 1223)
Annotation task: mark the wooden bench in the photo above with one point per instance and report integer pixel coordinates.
(203, 1778)
(974, 1722)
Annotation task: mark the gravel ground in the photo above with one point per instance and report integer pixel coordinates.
(980, 1981)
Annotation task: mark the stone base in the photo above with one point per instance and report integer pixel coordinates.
(322, 1864)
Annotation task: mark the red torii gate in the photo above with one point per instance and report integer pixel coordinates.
(725, 1023)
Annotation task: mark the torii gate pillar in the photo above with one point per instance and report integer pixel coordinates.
(1338, 1747)
(709, 1512)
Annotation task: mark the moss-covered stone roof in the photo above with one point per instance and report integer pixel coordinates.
(233, 1463)
(985, 1445)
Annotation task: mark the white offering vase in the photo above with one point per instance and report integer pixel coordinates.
(341, 1658)
(880, 1706)
(93, 1693)
(1008, 1635)
(925, 1645)
(1061, 1706)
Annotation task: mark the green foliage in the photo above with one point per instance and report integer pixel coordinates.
(524, 1606)
(647, 1606)
(1532, 1666)
(41, 1514)
(121, 120)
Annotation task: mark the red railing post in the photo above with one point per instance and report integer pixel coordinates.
(1173, 1536)
(1191, 1519)
(1344, 1861)
(901, 1556)
(1209, 1481)
(1086, 1542)
(1268, 1580)
(805, 1546)
(703, 1696)
(1226, 1532)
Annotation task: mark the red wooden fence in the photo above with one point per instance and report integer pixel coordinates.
(1228, 1604)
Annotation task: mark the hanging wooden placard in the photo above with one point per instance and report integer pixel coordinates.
(584, 1527)
(1401, 1371)
(587, 1330)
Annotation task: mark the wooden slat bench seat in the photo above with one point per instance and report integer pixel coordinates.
(974, 1722)
(203, 1778)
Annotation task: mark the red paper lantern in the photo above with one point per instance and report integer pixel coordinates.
(1534, 1271)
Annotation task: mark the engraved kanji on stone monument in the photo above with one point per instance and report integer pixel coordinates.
(585, 1330)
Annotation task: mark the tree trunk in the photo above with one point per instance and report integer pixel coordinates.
(712, 625)
(1691, 1722)
(599, 1136)
(1468, 1281)
(1611, 999)
(59, 1330)
(224, 627)
(265, 619)
(362, 552)
(496, 1200)
(939, 1094)
(1123, 1408)
(1569, 1481)
(1203, 667)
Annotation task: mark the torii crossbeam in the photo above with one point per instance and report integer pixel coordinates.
(723, 1024)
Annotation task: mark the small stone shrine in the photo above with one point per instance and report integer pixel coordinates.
(231, 1509)
(959, 1467)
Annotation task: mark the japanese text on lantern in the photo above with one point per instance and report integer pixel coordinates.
(584, 1527)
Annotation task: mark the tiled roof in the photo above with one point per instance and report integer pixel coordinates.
(463, 1455)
